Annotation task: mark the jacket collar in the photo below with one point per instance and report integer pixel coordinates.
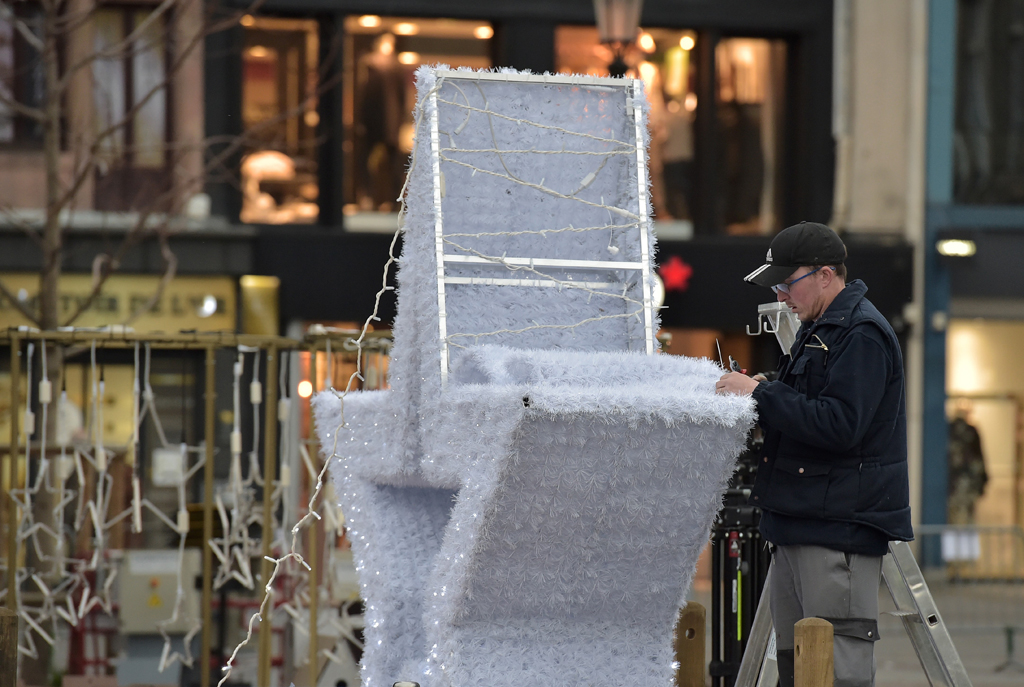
(840, 311)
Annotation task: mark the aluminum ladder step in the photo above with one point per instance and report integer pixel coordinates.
(914, 606)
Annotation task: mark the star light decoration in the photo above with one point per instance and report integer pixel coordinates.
(72, 587)
(676, 274)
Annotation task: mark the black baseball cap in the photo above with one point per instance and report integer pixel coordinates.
(807, 243)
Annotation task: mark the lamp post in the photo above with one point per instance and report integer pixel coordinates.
(617, 24)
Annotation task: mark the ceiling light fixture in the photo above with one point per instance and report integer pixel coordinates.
(956, 248)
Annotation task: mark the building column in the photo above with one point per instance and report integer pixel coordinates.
(917, 116)
(525, 43)
(707, 217)
(222, 78)
(942, 30)
(187, 107)
(79, 104)
(331, 125)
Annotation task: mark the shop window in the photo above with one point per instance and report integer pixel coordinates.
(133, 154)
(985, 408)
(21, 77)
(748, 115)
(381, 56)
(279, 117)
(750, 110)
(988, 146)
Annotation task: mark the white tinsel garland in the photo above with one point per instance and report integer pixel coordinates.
(537, 520)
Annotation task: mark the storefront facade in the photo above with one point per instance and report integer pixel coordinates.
(974, 311)
(738, 147)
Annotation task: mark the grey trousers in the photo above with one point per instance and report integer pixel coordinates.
(815, 582)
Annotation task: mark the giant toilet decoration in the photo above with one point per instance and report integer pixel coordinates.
(527, 502)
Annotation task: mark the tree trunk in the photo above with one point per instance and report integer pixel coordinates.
(37, 671)
(49, 276)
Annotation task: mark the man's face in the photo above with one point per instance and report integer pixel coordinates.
(805, 296)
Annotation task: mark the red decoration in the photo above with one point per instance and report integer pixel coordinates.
(676, 274)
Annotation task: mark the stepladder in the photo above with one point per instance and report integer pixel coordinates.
(915, 607)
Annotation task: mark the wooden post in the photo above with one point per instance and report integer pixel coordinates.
(12, 476)
(8, 647)
(269, 474)
(812, 654)
(210, 439)
(690, 637)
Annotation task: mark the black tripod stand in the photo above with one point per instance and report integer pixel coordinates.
(739, 566)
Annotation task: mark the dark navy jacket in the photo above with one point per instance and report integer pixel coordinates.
(835, 453)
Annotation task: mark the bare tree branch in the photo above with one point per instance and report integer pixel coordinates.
(21, 307)
(82, 175)
(70, 21)
(7, 13)
(107, 264)
(20, 223)
(120, 48)
(171, 260)
(236, 142)
(21, 108)
(102, 267)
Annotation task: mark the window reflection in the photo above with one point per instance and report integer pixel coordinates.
(381, 57)
(130, 72)
(279, 115)
(749, 115)
(21, 75)
(989, 142)
(6, 80)
(749, 79)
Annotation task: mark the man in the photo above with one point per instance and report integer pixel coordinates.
(832, 481)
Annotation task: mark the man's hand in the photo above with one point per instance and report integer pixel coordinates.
(737, 383)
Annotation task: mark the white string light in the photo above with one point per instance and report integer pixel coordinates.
(68, 577)
(311, 509)
(543, 232)
(633, 221)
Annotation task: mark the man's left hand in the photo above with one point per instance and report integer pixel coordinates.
(735, 383)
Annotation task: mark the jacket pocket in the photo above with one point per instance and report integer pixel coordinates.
(808, 373)
(843, 495)
(798, 487)
(883, 487)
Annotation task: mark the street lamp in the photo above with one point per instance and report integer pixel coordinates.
(617, 24)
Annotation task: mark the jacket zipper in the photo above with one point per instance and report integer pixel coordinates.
(821, 345)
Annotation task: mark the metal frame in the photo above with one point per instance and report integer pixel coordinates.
(914, 606)
(208, 342)
(641, 182)
(610, 83)
(435, 162)
(633, 89)
(498, 281)
(921, 618)
(549, 262)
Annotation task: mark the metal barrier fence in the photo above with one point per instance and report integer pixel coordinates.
(976, 575)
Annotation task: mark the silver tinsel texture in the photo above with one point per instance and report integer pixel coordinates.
(537, 520)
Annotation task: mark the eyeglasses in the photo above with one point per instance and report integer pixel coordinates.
(785, 287)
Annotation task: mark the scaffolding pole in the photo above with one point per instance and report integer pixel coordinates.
(314, 540)
(12, 475)
(210, 436)
(269, 470)
(209, 342)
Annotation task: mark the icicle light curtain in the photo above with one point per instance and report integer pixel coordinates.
(60, 577)
(527, 502)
